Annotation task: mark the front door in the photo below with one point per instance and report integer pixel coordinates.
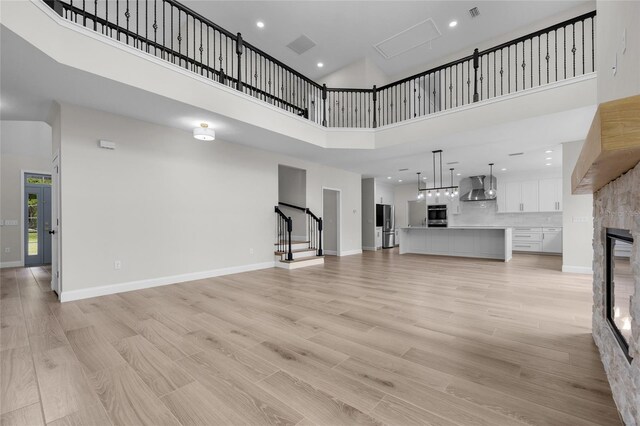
(37, 220)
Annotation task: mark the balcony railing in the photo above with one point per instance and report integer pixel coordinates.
(175, 33)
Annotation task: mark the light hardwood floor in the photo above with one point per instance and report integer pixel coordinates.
(372, 338)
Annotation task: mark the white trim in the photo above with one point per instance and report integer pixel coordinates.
(577, 269)
(330, 252)
(350, 252)
(363, 248)
(12, 264)
(67, 296)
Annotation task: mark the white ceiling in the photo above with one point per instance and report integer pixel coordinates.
(25, 95)
(346, 31)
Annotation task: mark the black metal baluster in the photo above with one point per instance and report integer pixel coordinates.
(573, 48)
(524, 73)
(564, 51)
(508, 69)
(539, 66)
(583, 51)
(476, 96)
(531, 60)
(516, 64)
(547, 57)
(501, 72)
(555, 39)
(593, 45)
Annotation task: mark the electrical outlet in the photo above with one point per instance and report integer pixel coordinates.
(7, 249)
(117, 264)
(250, 251)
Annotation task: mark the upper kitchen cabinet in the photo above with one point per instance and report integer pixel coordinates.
(383, 193)
(518, 197)
(550, 195)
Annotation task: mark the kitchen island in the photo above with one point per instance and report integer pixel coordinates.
(462, 241)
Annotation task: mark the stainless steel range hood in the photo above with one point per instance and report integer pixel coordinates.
(474, 188)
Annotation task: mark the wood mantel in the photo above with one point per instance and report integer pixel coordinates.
(612, 146)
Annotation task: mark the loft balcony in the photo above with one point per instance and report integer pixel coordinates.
(548, 71)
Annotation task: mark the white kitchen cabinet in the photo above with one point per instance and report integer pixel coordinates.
(379, 237)
(519, 197)
(501, 198)
(552, 240)
(550, 195)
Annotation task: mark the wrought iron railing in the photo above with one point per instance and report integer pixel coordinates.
(175, 33)
(314, 228)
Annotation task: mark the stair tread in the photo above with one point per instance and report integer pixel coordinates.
(296, 251)
(302, 259)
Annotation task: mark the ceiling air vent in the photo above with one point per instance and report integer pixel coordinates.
(474, 12)
(301, 44)
(452, 163)
(516, 154)
(402, 170)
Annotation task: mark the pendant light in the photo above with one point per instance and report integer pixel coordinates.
(491, 192)
(420, 195)
(204, 133)
(450, 191)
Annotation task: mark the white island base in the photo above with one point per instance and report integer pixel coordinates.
(481, 242)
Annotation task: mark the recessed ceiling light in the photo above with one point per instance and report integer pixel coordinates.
(320, 65)
(548, 151)
(260, 24)
(399, 180)
(424, 178)
(388, 177)
(458, 174)
(453, 24)
(548, 158)
(548, 164)
(503, 169)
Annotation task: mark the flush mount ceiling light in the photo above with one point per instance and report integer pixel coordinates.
(260, 24)
(204, 133)
(453, 24)
(320, 65)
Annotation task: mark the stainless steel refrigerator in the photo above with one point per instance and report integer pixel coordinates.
(385, 218)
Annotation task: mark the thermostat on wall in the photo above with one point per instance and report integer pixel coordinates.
(107, 144)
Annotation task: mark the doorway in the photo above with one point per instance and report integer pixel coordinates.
(331, 199)
(37, 219)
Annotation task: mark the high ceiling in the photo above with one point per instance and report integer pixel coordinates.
(346, 31)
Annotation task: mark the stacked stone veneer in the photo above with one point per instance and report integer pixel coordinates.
(617, 205)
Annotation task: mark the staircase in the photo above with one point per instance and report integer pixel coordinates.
(292, 254)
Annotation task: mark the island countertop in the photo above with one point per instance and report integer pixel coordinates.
(488, 242)
(459, 227)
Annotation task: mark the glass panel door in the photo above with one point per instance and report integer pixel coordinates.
(37, 220)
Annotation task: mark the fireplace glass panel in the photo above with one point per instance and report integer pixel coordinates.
(620, 285)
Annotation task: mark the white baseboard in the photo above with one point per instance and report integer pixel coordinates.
(577, 269)
(369, 248)
(330, 252)
(67, 296)
(350, 252)
(14, 264)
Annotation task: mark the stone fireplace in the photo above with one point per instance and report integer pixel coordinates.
(617, 215)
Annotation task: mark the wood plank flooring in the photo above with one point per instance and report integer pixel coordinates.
(376, 338)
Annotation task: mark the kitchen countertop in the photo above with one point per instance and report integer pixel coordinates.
(458, 227)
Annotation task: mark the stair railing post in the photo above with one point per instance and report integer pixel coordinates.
(375, 108)
(476, 63)
(320, 237)
(289, 230)
(56, 5)
(324, 105)
(239, 45)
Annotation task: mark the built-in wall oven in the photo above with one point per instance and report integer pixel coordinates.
(437, 216)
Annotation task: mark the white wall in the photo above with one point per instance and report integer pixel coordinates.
(24, 145)
(577, 218)
(368, 214)
(614, 18)
(361, 74)
(166, 205)
(330, 217)
(292, 189)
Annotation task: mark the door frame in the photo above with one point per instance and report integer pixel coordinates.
(23, 173)
(56, 263)
(339, 216)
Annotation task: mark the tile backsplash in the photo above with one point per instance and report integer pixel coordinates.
(473, 213)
